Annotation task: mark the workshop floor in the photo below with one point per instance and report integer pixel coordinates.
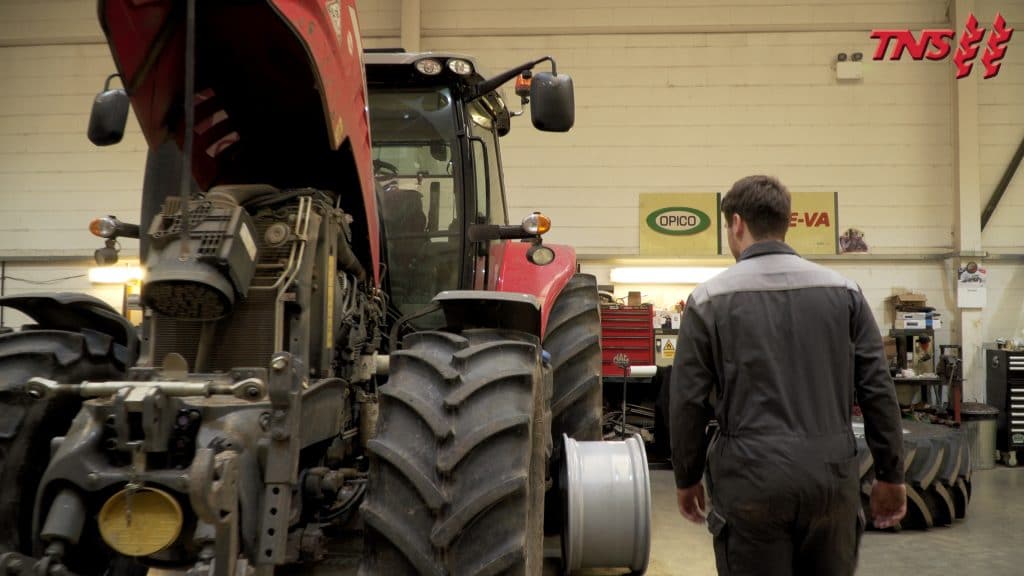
(987, 542)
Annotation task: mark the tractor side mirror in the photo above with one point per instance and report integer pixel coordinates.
(109, 115)
(552, 107)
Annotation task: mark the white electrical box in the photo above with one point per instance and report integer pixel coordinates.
(849, 70)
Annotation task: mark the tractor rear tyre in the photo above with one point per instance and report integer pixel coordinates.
(457, 468)
(573, 339)
(937, 462)
(27, 426)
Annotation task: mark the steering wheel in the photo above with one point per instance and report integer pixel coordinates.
(385, 170)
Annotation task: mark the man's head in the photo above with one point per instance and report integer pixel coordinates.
(757, 208)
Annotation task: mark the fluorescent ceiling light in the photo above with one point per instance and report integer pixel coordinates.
(666, 275)
(115, 274)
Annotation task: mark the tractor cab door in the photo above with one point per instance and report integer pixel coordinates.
(415, 158)
(488, 183)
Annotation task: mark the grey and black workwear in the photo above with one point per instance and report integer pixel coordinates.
(777, 349)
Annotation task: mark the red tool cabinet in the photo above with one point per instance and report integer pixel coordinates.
(626, 330)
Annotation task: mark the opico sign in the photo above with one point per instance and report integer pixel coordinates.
(678, 221)
(674, 224)
(937, 44)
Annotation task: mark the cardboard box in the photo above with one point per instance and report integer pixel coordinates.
(908, 299)
(889, 344)
(918, 324)
(918, 316)
(633, 299)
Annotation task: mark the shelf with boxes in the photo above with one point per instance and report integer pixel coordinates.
(910, 349)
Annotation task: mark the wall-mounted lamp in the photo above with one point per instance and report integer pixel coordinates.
(115, 274)
(849, 67)
(658, 275)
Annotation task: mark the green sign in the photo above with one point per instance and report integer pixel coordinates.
(678, 221)
(679, 225)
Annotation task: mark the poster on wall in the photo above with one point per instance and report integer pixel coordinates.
(679, 225)
(971, 280)
(812, 222)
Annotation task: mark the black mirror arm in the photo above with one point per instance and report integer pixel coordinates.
(495, 81)
(106, 85)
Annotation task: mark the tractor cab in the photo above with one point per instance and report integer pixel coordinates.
(436, 121)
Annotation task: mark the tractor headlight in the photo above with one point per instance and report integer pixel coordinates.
(140, 521)
(460, 66)
(540, 255)
(428, 66)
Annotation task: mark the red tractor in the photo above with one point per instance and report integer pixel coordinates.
(347, 352)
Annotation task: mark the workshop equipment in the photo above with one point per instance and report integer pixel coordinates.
(627, 330)
(980, 421)
(1005, 388)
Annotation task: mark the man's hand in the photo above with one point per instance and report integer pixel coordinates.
(691, 503)
(888, 503)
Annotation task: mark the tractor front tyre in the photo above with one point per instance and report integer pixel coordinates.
(27, 426)
(457, 468)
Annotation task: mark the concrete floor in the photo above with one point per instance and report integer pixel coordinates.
(989, 541)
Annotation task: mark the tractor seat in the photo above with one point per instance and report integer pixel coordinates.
(405, 223)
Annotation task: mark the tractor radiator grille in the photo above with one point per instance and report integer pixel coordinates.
(246, 338)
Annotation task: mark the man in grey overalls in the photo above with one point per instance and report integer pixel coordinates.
(778, 349)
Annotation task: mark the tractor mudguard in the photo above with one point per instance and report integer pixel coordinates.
(511, 271)
(469, 309)
(74, 312)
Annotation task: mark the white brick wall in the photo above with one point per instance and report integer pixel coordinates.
(1004, 315)
(448, 16)
(53, 181)
(379, 18)
(695, 112)
(1000, 130)
(33, 22)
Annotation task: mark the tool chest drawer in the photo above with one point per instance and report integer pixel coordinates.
(626, 330)
(1005, 388)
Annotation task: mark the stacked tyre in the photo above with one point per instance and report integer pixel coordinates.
(937, 465)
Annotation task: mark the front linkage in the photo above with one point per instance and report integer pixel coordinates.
(170, 452)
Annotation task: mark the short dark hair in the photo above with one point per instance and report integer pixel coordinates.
(763, 203)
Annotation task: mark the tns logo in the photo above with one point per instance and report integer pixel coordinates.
(678, 221)
(936, 45)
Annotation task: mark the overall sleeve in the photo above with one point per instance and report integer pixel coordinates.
(876, 394)
(690, 388)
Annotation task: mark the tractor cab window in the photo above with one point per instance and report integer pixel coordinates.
(413, 161)
(490, 197)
